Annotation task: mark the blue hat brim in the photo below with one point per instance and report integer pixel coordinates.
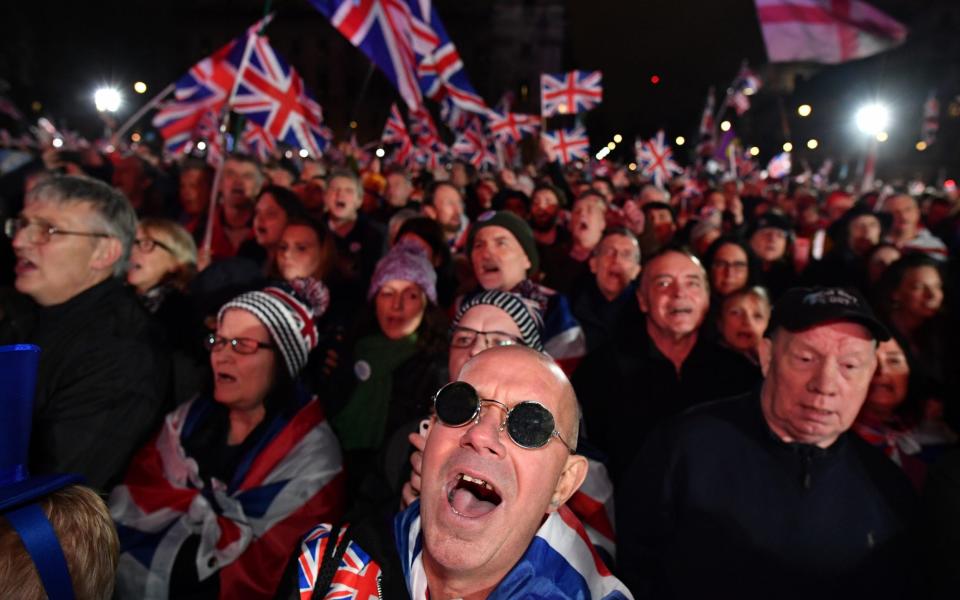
(34, 488)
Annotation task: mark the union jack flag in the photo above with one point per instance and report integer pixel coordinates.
(424, 130)
(656, 159)
(205, 88)
(570, 93)
(395, 132)
(472, 145)
(256, 141)
(779, 166)
(745, 85)
(708, 132)
(453, 115)
(566, 145)
(512, 126)
(272, 95)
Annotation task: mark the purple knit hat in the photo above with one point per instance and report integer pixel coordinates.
(406, 261)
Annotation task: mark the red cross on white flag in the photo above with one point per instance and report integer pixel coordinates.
(825, 31)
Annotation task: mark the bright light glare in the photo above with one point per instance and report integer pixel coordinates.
(632, 166)
(201, 145)
(304, 153)
(617, 138)
(680, 140)
(812, 144)
(380, 153)
(107, 99)
(804, 110)
(872, 118)
(140, 87)
(754, 151)
(882, 136)
(787, 147)
(57, 143)
(921, 146)
(725, 126)
(611, 145)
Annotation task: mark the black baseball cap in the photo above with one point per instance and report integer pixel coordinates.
(802, 308)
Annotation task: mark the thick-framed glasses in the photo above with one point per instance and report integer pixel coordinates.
(240, 345)
(40, 232)
(464, 337)
(528, 423)
(146, 245)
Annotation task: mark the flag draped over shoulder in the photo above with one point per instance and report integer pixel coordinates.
(825, 31)
(291, 480)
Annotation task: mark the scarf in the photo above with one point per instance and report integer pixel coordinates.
(291, 479)
(895, 443)
(559, 563)
(362, 421)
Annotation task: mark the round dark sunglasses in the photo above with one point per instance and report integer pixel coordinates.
(528, 423)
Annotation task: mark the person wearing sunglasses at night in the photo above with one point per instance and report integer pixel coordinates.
(216, 503)
(491, 522)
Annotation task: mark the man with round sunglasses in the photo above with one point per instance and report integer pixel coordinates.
(498, 466)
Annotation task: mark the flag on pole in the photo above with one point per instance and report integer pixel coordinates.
(472, 145)
(206, 87)
(656, 159)
(570, 93)
(779, 166)
(931, 119)
(512, 126)
(566, 145)
(746, 84)
(257, 142)
(825, 31)
(708, 131)
(395, 132)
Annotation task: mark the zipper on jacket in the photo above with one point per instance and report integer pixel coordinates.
(379, 585)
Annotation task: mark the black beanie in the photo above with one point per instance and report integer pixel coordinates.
(515, 225)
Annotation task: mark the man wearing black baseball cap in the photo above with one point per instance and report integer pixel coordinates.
(767, 494)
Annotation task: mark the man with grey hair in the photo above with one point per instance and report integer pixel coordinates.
(102, 381)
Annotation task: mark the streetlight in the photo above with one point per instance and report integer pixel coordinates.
(618, 138)
(921, 146)
(812, 143)
(804, 110)
(304, 153)
(725, 126)
(754, 151)
(611, 146)
(787, 147)
(140, 87)
(883, 136)
(872, 118)
(107, 99)
(380, 152)
(680, 140)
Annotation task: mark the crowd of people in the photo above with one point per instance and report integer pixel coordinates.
(282, 392)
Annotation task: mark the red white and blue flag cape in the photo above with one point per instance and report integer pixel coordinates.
(566, 145)
(570, 93)
(559, 563)
(248, 527)
(656, 159)
(593, 505)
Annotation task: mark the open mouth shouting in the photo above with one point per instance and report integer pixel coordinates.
(471, 497)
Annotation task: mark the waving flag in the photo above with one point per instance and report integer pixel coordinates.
(205, 88)
(570, 93)
(779, 166)
(656, 159)
(395, 132)
(566, 145)
(931, 119)
(256, 141)
(512, 126)
(745, 85)
(826, 31)
(708, 131)
(272, 95)
(472, 145)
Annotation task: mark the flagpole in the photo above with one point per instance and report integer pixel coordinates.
(225, 119)
(115, 138)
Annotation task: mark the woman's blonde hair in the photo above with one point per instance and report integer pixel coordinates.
(181, 245)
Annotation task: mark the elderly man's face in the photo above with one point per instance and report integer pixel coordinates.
(499, 261)
(816, 380)
(616, 263)
(241, 180)
(480, 539)
(674, 295)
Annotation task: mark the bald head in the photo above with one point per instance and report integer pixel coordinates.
(507, 366)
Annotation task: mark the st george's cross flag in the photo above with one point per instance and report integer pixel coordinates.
(825, 31)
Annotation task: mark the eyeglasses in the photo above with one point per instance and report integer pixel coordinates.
(240, 345)
(464, 337)
(735, 265)
(529, 424)
(39, 232)
(146, 245)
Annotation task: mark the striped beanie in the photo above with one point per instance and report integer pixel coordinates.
(527, 319)
(289, 314)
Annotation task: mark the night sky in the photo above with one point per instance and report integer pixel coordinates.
(57, 53)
